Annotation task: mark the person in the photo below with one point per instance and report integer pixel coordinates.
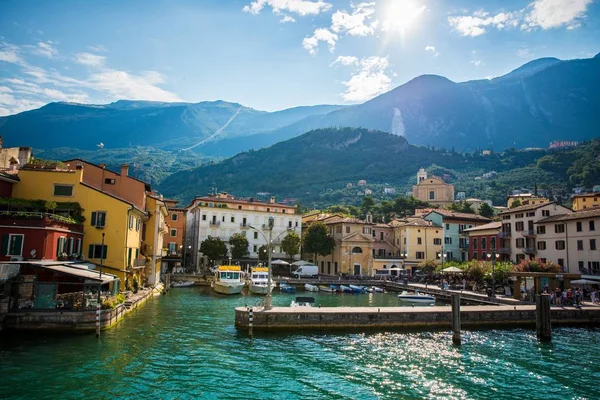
(595, 297)
(464, 283)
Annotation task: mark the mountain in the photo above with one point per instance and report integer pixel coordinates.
(143, 123)
(317, 167)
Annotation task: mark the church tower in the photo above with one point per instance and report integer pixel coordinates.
(421, 175)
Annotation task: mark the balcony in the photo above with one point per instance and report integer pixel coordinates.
(587, 271)
(504, 250)
(244, 225)
(504, 234)
(529, 250)
(463, 245)
(528, 233)
(214, 223)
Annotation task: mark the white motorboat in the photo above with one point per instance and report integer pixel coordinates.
(182, 284)
(416, 298)
(259, 281)
(228, 280)
(311, 288)
(376, 289)
(328, 289)
(303, 302)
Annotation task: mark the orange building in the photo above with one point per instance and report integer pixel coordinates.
(175, 238)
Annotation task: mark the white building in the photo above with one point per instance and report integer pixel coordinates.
(223, 215)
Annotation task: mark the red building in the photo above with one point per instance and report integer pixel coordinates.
(6, 184)
(483, 240)
(39, 236)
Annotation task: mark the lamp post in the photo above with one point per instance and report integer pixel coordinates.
(271, 224)
(493, 256)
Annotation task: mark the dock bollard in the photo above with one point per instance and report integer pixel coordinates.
(542, 318)
(456, 319)
(250, 319)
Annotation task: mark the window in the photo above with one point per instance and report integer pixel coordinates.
(579, 227)
(419, 241)
(268, 209)
(12, 244)
(541, 230)
(519, 215)
(172, 248)
(545, 213)
(592, 244)
(530, 214)
(559, 228)
(137, 224)
(493, 243)
(541, 245)
(96, 251)
(484, 256)
(232, 219)
(109, 181)
(432, 195)
(420, 255)
(520, 243)
(347, 229)
(483, 243)
(255, 235)
(592, 226)
(174, 217)
(447, 227)
(283, 211)
(254, 249)
(437, 241)
(78, 247)
(580, 245)
(63, 190)
(203, 217)
(173, 232)
(559, 244)
(98, 219)
(520, 226)
(131, 218)
(448, 240)
(475, 243)
(239, 207)
(475, 255)
(561, 262)
(71, 245)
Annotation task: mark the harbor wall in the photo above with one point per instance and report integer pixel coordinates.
(407, 317)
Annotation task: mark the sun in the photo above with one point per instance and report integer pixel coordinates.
(400, 15)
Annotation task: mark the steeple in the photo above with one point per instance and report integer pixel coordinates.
(421, 175)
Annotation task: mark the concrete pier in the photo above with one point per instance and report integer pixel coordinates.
(327, 318)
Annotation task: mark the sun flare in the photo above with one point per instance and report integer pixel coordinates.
(400, 15)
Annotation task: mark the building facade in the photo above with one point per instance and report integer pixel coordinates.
(175, 241)
(433, 190)
(586, 201)
(484, 240)
(222, 215)
(525, 199)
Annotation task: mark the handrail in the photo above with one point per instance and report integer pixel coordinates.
(32, 214)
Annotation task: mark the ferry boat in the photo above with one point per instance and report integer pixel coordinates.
(228, 280)
(259, 281)
(417, 298)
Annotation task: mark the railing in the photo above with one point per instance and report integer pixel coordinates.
(464, 246)
(214, 223)
(140, 262)
(528, 232)
(587, 271)
(387, 257)
(529, 250)
(504, 250)
(244, 225)
(504, 234)
(40, 215)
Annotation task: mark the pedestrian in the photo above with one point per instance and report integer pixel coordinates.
(595, 298)
(464, 284)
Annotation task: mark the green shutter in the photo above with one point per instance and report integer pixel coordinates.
(104, 251)
(91, 251)
(5, 244)
(18, 241)
(94, 217)
(137, 253)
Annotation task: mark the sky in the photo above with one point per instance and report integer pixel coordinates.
(272, 54)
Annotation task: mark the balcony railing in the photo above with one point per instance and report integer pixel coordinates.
(504, 250)
(40, 215)
(529, 250)
(528, 232)
(387, 257)
(464, 246)
(214, 223)
(587, 271)
(244, 225)
(504, 234)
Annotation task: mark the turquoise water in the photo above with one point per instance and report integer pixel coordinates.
(184, 345)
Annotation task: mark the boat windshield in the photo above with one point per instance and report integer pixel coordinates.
(230, 275)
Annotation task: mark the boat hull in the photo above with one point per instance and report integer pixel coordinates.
(417, 299)
(311, 288)
(326, 289)
(182, 284)
(258, 289)
(228, 288)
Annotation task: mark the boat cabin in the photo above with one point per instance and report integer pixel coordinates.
(229, 273)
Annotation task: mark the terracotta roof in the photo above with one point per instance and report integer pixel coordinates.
(527, 207)
(458, 215)
(9, 177)
(491, 225)
(348, 220)
(593, 213)
(587, 195)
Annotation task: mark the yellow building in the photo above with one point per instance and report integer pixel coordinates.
(152, 238)
(417, 240)
(108, 219)
(586, 201)
(433, 190)
(526, 199)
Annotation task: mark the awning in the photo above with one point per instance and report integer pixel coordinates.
(81, 273)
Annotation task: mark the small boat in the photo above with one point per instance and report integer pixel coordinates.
(303, 302)
(335, 288)
(285, 288)
(183, 284)
(345, 289)
(259, 281)
(228, 280)
(358, 289)
(417, 298)
(311, 288)
(378, 289)
(329, 289)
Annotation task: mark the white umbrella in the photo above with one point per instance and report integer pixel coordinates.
(301, 263)
(280, 262)
(452, 270)
(585, 282)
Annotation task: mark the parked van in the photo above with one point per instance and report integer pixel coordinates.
(306, 271)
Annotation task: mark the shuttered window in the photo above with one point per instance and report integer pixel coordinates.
(12, 244)
(98, 219)
(95, 251)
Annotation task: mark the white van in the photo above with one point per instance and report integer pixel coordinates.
(306, 271)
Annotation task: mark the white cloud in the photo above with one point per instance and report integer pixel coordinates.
(524, 53)
(9, 53)
(431, 49)
(547, 14)
(98, 48)
(286, 18)
(356, 23)
(345, 60)
(122, 85)
(300, 7)
(311, 43)
(370, 80)
(476, 63)
(476, 24)
(46, 49)
(89, 59)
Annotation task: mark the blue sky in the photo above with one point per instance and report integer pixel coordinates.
(272, 54)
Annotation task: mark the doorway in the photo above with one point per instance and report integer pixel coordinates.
(356, 269)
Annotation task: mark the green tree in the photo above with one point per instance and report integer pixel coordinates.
(516, 203)
(214, 248)
(291, 244)
(367, 205)
(462, 207)
(263, 254)
(239, 245)
(486, 211)
(317, 240)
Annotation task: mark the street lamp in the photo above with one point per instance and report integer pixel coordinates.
(271, 224)
(494, 257)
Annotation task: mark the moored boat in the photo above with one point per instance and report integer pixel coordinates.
(345, 289)
(358, 289)
(377, 289)
(182, 284)
(259, 281)
(311, 288)
(329, 289)
(285, 288)
(417, 298)
(228, 280)
(303, 302)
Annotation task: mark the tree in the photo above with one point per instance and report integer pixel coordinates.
(486, 211)
(462, 207)
(214, 248)
(367, 205)
(317, 240)
(516, 203)
(291, 244)
(263, 254)
(239, 245)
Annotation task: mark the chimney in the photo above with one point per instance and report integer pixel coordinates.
(124, 169)
(272, 200)
(103, 166)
